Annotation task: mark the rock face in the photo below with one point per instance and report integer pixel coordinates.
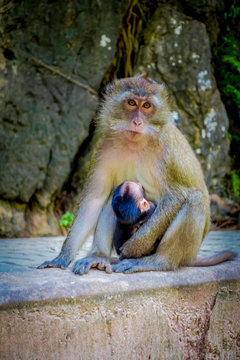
(44, 118)
(53, 59)
(176, 50)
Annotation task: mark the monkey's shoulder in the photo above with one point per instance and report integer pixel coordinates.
(177, 145)
(182, 164)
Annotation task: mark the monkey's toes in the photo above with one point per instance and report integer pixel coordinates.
(105, 265)
(82, 266)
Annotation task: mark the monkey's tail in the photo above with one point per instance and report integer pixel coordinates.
(214, 259)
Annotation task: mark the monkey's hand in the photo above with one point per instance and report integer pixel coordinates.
(83, 266)
(60, 261)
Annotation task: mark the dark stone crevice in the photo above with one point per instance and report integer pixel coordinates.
(208, 312)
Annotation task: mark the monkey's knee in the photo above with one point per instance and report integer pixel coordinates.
(195, 199)
(197, 219)
(184, 236)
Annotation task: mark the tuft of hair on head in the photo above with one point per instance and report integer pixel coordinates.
(143, 75)
(140, 82)
(109, 88)
(146, 77)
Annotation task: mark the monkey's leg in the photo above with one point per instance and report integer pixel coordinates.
(180, 242)
(143, 242)
(99, 256)
(83, 226)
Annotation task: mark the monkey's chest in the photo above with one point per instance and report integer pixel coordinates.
(140, 171)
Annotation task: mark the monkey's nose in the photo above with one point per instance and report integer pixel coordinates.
(137, 122)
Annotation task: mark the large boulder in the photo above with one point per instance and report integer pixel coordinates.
(53, 58)
(176, 50)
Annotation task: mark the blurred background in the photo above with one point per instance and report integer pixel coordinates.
(55, 59)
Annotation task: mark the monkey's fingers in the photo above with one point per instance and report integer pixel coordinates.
(83, 266)
(59, 262)
(105, 265)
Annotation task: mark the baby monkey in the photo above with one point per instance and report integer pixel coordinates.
(132, 210)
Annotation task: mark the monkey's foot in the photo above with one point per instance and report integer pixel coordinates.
(83, 266)
(130, 266)
(148, 263)
(60, 261)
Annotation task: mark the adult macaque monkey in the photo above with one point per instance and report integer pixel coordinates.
(139, 142)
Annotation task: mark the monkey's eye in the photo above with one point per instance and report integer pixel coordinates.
(132, 102)
(146, 105)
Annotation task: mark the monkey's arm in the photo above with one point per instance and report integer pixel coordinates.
(99, 256)
(86, 219)
(83, 225)
(143, 242)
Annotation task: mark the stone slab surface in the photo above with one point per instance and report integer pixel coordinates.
(53, 284)
(26, 253)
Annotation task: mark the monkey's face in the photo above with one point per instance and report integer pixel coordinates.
(135, 107)
(138, 111)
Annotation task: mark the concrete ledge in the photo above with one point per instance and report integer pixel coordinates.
(192, 313)
(55, 284)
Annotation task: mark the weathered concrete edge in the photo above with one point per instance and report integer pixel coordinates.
(50, 285)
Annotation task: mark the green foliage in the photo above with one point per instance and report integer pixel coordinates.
(236, 183)
(233, 137)
(230, 70)
(235, 11)
(66, 219)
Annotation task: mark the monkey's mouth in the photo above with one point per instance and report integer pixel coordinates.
(133, 135)
(134, 132)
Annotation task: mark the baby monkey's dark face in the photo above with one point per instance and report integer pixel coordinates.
(129, 203)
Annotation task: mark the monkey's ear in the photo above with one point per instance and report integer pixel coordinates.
(145, 76)
(109, 88)
(164, 91)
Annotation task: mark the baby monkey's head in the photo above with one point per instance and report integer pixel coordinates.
(129, 203)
